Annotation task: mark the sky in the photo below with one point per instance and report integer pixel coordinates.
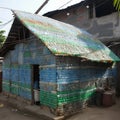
(28, 6)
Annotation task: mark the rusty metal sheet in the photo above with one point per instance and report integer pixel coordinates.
(66, 40)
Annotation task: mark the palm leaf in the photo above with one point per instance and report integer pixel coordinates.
(116, 4)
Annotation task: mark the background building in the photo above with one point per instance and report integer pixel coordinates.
(99, 18)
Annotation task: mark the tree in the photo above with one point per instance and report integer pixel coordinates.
(2, 37)
(116, 4)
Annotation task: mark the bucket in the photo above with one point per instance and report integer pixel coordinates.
(108, 98)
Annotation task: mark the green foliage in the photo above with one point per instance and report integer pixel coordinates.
(2, 37)
(116, 4)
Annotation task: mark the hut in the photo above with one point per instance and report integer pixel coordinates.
(64, 64)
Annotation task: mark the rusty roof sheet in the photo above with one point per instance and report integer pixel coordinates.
(65, 40)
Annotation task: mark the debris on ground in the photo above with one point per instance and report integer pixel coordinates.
(1, 105)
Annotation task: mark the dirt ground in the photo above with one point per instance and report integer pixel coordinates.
(8, 112)
(99, 113)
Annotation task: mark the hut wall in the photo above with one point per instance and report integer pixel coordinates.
(77, 82)
(66, 83)
(17, 70)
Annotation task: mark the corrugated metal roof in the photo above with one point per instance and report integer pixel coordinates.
(64, 39)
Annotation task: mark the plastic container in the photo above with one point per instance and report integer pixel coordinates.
(36, 95)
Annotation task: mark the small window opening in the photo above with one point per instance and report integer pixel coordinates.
(104, 7)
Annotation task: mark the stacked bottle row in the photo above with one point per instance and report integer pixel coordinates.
(16, 80)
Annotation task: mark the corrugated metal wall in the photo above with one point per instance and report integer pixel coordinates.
(115, 48)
